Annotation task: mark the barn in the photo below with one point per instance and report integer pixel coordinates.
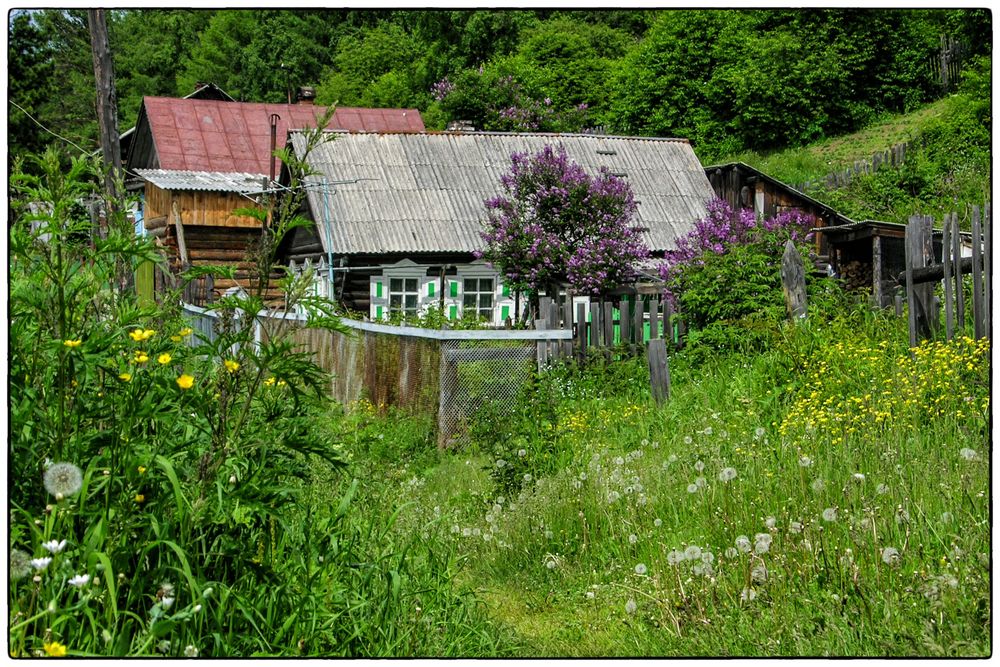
(397, 216)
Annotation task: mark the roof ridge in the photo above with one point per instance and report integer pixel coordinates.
(506, 134)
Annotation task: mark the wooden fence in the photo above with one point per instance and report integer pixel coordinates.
(924, 267)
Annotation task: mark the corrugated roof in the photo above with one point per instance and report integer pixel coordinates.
(220, 136)
(214, 181)
(429, 189)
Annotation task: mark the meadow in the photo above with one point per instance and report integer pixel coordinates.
(810, 488)
(827, 497)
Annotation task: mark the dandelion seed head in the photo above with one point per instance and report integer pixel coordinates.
(881, 489)
(675, 557)
(727, 474)
(63, 479)
(830, 514)
(657, 522)
(759, 432)
(693, 552)
(20, 564)
(946, 517)
(743, 543)
(522, 452)
(795, 527)
(633, 538)
(640, 568)
(770, 522)
(701, 482)
(759, 574)
(699, 466)
(890, 556)
(748, 595)
(731, 552)
(818, 485)
(858, 477)
(687, 440)
(692, 488)
(805, 462)
(968, 454)
(630, 606)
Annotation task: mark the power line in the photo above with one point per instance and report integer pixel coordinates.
(54, 134)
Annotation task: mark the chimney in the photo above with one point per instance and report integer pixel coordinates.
(306, 95)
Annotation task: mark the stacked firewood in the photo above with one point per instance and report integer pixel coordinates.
(856, 275)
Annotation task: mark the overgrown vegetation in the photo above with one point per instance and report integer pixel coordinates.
(181, 495)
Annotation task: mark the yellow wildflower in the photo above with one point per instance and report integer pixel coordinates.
(54, 649)
(270, 381)
(164, 358)
(185, 381)
(232, 366)
(142, 470)
(176, 339)
(125, 377)
(186, 331)
(72, 343)
(141, 357)
(139, 498)
(136, 335)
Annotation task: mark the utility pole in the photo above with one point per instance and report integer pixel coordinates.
(107, 99)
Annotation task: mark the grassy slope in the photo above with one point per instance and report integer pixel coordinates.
(828, 591)
(799, 165)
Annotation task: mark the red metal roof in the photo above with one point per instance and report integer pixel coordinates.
(212, 135)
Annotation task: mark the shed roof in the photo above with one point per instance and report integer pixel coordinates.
(220, 136)
(425, 192)
(206, 181)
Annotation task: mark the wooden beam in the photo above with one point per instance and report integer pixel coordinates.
(179, 226)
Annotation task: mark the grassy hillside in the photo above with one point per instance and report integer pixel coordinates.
(949, 170)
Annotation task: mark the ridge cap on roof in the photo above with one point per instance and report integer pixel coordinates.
(188, 100)
(506, 134)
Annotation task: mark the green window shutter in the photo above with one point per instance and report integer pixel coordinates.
(452, 312)
(504, 312)
(378, 309)
(454, 288)
(506, 290)
(430, 289)
(378, 291)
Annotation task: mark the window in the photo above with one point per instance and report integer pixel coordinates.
(478, 297)
(403, 296)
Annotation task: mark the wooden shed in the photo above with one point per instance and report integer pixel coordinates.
(191, 215)
(743, 186)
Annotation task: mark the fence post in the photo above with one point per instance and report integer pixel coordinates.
(918, 296)
(447, 380)
(956, 246)
(654, 319)
(979, 323)
(659, 371)
(987, 266)
(581, 332)
(793, 281)
(638, 316)
(949, 297)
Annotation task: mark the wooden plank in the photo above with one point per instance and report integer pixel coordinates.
(949, 288)
(447, 381)
(596, 324)
(608, 321)
(626, 321)
(581, 331)
(978, 322)
(956, 246)
(637, 320)
(988, 266)
(552, 323)
(926, 291)
(654, 319)
(659, 371)
(793, 281)
(179, 226)
(910, 297)
(541, 347)
(877, 290)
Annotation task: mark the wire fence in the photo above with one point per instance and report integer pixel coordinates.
(450, 375)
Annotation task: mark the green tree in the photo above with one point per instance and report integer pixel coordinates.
(30, 81)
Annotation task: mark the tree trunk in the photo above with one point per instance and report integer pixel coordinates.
(107, 101)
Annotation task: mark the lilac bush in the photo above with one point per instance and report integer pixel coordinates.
(723, 227)
(555, 223)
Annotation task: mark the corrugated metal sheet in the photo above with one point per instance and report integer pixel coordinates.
(214, 135)
(431, 188)
(212, 181)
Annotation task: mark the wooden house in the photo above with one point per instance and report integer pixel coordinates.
(197, 160)
(398, 215)
(743, 186)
